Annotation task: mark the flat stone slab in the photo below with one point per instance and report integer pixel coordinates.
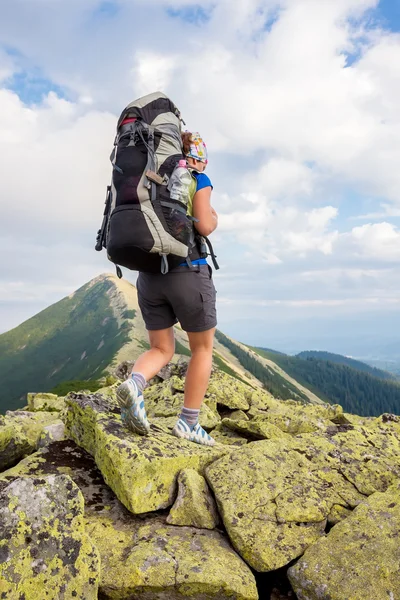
(142, 471)
(359, 558)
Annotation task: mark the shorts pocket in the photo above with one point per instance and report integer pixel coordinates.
(207, 296)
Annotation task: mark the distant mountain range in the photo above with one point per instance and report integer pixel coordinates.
(87, 334)
(347, 362)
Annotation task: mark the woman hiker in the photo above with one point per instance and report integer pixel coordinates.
(186, 295)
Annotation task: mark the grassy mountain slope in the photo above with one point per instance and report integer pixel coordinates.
(82, 337)
(347, 362)
(357, 391)
(72, 339)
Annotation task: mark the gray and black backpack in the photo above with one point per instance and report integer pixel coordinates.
(143, 228)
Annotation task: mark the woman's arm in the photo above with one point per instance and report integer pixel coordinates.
(204, 212)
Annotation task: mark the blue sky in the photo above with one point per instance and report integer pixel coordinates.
(389, 12)
(302, 164)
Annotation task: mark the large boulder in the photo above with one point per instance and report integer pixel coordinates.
(142, 471)
(359, 558)
(43, 544)
(228, 391)
(153, 561)
(275, 501)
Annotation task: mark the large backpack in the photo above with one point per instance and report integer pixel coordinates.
(143, 228)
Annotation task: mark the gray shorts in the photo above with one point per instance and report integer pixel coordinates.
(184, 295)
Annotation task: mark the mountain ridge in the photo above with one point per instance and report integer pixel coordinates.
(87, 334)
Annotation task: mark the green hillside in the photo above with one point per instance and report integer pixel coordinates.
(75, 338)
(272, 381)
(357, 391)
(76, 341)
(348, 362)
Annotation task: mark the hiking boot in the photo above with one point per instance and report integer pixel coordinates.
(197, 434)
(133, 412)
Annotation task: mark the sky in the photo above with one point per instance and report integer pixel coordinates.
(298, 103)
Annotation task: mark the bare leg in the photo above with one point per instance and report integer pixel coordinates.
(199, 370)
(162, 348)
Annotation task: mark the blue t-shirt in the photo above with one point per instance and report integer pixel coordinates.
(203, 181)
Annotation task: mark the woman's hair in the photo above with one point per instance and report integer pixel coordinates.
(186, 141)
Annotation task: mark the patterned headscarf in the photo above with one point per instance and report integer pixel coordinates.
(198, 148)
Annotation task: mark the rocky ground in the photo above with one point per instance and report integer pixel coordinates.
(294, 501)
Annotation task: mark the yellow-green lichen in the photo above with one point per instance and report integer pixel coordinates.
(360, 556)
(43, 544)
(194, 505)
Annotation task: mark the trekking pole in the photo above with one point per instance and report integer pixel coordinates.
(100, 234)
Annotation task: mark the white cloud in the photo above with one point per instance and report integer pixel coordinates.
(55, 162)
(379, 241)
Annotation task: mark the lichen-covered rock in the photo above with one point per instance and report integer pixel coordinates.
(224, 435)
(52, 433)
(142, 556)
(275, 496)
(338, 513)
(20, 432)
(152, 560)
(294, 417)
(141, 471)
(228, 391)
(238, 415)
(13, 444)
(194, 505)
(273, 508)
(359, 558)
(367, 457)
(46, 402)
(43, 545)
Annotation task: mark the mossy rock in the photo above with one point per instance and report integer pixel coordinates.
(43, 544)
(359, 558)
